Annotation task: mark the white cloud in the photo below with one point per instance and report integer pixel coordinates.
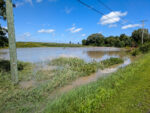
(112, 17)
(73, 29)
(5, 27)
(38, 1)
(77, 30)
(27, 34)
(18, 4)
(83, 35)
(68, 10)
(100, 32)
(29, 1)
(112, 25)
(46, 31)
(130, 26)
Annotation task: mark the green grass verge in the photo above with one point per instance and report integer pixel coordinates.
(126, 91)
(15, 99)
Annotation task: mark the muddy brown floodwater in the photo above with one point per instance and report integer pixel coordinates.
(40, 54)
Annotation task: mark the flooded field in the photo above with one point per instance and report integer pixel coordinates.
(48, 53)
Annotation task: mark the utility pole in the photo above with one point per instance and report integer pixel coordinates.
(143, 21)
(12, 41)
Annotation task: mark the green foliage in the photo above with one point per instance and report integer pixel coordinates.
(76, 65)
(17, 99)
(94, 39)
(3, 37)
(2, 9)
(137, 36)
(111, 61)
(125, 39)
(84, 42)
(135, 52)
(145, 48)
(126, 91)
(111, 41)
(118, 41)
(3, 31)
(5, 65)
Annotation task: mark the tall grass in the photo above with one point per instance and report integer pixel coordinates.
(109, 62)
(17, 99)
(76, 65)
(126, 91)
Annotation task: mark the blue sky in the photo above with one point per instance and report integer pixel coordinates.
(62, 21)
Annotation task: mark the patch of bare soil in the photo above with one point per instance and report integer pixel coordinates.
(27, 84)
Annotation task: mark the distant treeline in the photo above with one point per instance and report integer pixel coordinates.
(123, 40)
(41, 44)
(96, 39)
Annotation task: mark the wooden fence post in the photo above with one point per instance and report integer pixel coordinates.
(12, 41)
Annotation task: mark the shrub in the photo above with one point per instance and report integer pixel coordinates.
(145, 48)
(5, 65)
(135, 52)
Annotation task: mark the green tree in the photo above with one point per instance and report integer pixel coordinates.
(2, 10)
(126, 39)
(110, 41)
(96, 39)
(137, 36)
(3, 31)
(84, 42)
(3, 37)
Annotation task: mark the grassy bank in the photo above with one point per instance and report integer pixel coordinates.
(126, 91)
(36, 83)
(40, 44)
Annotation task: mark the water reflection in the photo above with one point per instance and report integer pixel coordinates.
(48, 53)
(100, 54)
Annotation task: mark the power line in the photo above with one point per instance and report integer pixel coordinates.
(106, 6)
(92, 8)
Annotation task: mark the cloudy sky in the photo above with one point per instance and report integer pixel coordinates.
(68, 20)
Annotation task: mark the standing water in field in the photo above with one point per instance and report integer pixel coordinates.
(41, 54)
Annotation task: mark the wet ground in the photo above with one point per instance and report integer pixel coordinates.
(87, 79)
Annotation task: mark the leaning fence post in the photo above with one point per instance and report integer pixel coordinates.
(12, 41)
